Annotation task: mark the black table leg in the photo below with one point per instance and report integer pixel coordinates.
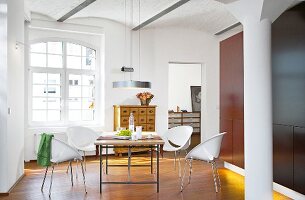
(151, 160)
(101, 168)
(158, 149)
(106, 159)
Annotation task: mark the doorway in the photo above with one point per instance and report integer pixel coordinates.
(184, 97)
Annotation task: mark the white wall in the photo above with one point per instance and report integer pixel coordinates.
(180, 79)
(158, 48)
(12, 94)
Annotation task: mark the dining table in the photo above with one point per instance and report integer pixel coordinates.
(109, 141)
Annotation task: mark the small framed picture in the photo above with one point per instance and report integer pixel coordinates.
(196, 98)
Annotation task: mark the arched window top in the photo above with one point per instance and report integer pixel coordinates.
(59, 54)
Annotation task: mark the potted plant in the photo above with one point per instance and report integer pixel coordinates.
(145, 98)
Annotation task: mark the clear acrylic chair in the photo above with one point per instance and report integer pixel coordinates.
(62, 152)
(177, 139)
(206, 151)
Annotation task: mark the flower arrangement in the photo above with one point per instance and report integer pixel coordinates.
(145, 97)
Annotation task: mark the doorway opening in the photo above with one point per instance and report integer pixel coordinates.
(184, 97)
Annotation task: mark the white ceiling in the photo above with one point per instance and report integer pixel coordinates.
(207, 15)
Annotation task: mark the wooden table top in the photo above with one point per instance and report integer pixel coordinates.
(144, 141)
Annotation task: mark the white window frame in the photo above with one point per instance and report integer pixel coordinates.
(64, 82)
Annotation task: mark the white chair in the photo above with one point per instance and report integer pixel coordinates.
(206, 151)
(177, 139)
(82, 139)
(62, 152)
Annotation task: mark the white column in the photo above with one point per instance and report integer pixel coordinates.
(258, 109)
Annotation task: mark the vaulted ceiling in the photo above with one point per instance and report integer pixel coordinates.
(207, 15)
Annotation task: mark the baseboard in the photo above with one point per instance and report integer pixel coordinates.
(9, 191)
(5, 194)
(277, 187)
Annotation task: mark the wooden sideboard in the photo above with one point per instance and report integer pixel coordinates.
(144, 116)
(187, 119)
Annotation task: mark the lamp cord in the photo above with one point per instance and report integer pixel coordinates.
(139, 40)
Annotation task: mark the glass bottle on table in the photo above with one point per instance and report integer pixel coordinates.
(131, 122)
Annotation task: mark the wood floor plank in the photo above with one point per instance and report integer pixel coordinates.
(201, 186)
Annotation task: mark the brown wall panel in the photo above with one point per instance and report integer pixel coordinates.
(227, 142)
(299, 159)
(283, 155)
(232, 99)
(238, 143)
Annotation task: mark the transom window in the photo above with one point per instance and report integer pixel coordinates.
(62, 82)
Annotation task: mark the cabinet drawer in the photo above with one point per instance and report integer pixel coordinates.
(136, 120)
(191, 114)
(151, 111)
(174, 120)
(135, 111)
(142, 119)
(124, 111)
(191, 120)
(142, 111)
(179, 115)
(124, 120)
(144, 127)
(150, 119)
(150, 127)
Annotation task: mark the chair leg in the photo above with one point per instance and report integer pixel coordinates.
(179, 164)
(84, 178)
(85, 160)
(216, 168)
(67, 169)
(191, 169)
(214, 176)
(175, 159)
(51, 181)
(44, 178)
(70, 163)
(184, 170)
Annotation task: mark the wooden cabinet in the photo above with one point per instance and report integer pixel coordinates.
(232, 99)
(187, 119)
(143, 116)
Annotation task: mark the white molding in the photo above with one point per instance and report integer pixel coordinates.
(277, 187)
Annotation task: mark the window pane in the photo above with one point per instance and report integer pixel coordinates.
(54, 61)
(88, 63)
(73, 49)
(38, 60)
(53, 91)
(88, 115)
(39, 115)
(87, 52)
(54, 79)
(87, 91)
(88, 80)
(74, 91)
(39, 103)
(54, 103)
(39, 48)
(88, 104)
(39, 78)
(75, 79)
(55, 47)
(75, 115)
(74, 62)
(75, 103)
(39, 90)
(53, 115)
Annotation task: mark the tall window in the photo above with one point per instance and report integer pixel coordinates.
(62, 82)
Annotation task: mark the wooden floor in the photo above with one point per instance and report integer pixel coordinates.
(201, 186)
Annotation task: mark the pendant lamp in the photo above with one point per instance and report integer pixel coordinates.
(132, 84)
